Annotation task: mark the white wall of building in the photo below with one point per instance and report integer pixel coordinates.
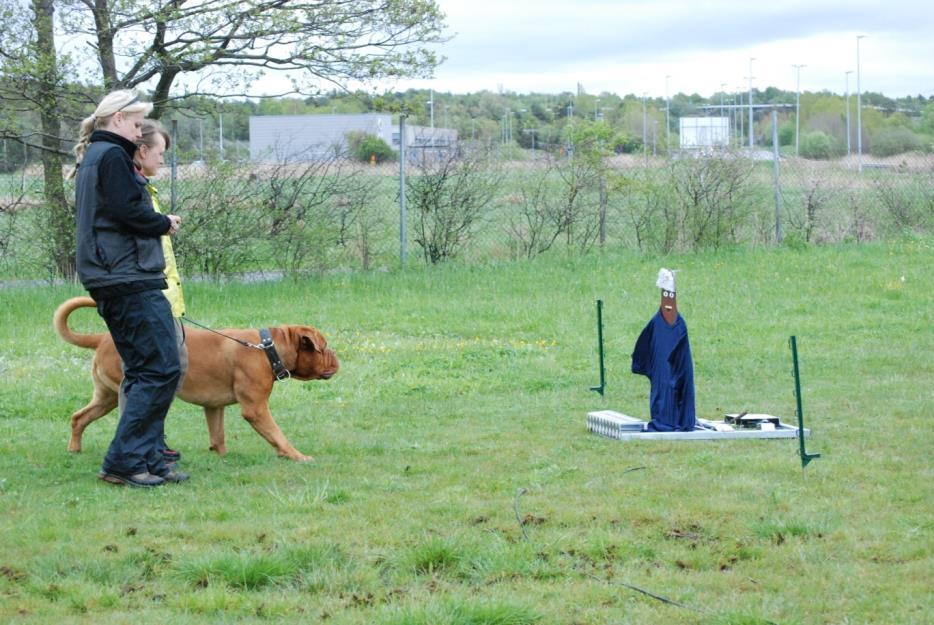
(705, 132)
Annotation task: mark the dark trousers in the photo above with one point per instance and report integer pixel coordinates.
(143, 330)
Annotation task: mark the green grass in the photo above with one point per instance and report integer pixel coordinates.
(462, 385)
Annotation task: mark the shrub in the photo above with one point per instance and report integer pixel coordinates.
(816, 145)
(786, 133)
(366, 147)
(894, 140)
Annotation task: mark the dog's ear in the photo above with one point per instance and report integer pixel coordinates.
(310, 342)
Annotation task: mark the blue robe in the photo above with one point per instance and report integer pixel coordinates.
(663, 354)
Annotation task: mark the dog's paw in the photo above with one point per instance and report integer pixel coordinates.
(221, 450)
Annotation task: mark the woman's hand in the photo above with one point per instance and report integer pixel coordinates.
(176, 221)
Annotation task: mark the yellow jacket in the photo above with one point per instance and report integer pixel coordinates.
(174, 280)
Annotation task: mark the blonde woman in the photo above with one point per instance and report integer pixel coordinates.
(149, 158)
(120, 262)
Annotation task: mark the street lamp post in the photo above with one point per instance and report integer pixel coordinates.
(751, 133)
(532, 132)
(667, 117)
(798, 107)
(722, 89)
(645, 147)
(859, 117)
(847, 98)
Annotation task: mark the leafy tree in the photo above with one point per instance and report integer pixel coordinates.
(224, 45)
(927, 119)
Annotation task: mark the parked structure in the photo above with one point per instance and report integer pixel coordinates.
(297, 138)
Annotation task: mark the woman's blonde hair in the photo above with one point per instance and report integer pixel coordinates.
(114, 102)
(148, 131)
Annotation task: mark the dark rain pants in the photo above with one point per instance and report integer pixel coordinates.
(143, 330)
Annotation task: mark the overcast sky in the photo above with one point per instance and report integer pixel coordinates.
(627, 46)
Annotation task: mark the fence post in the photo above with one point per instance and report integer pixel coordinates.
(403, 243)
(776, 183)
(602, 209)
(174, 162)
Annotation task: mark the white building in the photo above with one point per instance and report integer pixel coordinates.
(296, 138)
(702, 133)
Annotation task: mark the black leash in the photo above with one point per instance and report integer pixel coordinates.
(226, 336)
(266, 344)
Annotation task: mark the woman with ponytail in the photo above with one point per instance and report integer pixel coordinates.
(149, 158)
(120, 262)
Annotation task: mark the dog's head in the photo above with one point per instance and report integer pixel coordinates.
(314, 359)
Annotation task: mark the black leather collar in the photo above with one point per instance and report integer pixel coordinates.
(278, 369)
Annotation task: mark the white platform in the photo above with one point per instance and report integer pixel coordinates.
(612, 424)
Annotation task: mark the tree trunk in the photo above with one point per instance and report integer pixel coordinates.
(105, 44)
(59, 217)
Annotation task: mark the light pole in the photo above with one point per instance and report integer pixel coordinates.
(798, 107)
(531, 131)
(722, 89)
(667, 117)
(751, 59)
(847, 98)
(859, 117)
(431, 108)
(645, 147)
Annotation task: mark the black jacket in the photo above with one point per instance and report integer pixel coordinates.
(118, 243)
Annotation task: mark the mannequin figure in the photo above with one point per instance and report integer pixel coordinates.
(663, 354)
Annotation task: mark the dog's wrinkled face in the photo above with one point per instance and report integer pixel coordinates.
(314, 360)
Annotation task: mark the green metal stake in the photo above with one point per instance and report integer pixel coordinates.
(805, 456)
(602, 386)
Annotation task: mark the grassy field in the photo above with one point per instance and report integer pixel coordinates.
(460, 410)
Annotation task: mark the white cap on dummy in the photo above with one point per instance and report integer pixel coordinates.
(666, 280)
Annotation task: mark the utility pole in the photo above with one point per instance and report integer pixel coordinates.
(751, 126)
(847, 98)
(798, 107)
(859, 117)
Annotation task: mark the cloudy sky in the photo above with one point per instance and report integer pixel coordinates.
(629, 46)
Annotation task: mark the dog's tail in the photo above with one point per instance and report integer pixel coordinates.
(60, 321)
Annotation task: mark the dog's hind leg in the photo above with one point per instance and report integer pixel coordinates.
(215, 418)
(103, 401)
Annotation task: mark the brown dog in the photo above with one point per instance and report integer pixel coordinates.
(221, 372)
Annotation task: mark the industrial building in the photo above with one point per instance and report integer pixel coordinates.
(298, 138)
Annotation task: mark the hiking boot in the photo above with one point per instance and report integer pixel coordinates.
(173, 475)
(171, 455)
(137, 480)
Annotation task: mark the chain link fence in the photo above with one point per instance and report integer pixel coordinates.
(483, 203)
